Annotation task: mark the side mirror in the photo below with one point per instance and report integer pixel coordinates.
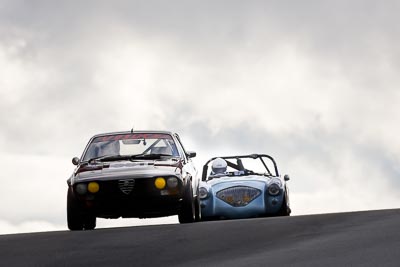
(286, 177)
(75, 160)
(191, 154)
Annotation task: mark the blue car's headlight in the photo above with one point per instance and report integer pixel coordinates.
(203, 193)
(274, 189)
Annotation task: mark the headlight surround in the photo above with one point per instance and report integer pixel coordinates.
(276, 181)
(172, 182)
(203, 192)
(274, 189)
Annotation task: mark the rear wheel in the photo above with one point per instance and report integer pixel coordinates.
(187, 212)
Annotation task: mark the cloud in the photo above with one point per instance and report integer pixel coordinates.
(313, 84)
(33, 188)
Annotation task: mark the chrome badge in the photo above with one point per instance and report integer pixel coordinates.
(126, 186)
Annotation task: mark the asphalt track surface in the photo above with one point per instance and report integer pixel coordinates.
(370, 238)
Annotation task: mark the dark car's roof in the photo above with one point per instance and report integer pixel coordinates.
(133, 132)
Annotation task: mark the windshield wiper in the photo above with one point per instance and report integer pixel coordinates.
(149, 156)
(109, 158)
(129, 157)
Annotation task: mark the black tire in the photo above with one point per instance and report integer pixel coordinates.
(74, 213)
(90, 222)
(187, 212)
(197, 209)
(284, 210)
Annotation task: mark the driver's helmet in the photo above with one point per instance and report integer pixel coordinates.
(219, 166)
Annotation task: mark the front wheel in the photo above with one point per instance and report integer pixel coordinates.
(284, 210)
(187, 212)
(74, 214)
(89, 222)
(197, 208)
(76, 217)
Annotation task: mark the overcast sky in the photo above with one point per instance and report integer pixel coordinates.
(312, 83)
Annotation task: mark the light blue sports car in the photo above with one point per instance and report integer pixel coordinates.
(243, 187)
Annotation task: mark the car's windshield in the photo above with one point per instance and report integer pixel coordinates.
(120, 146)
(243, 166)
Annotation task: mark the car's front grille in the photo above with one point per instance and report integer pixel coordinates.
(129, 188)
(238, 196)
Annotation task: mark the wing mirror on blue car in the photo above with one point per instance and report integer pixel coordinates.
(286, 177)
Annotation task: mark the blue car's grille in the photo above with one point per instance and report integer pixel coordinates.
(238, 196)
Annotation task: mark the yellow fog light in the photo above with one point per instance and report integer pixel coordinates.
(160, 183)
(93, 187)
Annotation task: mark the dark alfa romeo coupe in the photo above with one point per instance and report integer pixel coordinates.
(138, 174)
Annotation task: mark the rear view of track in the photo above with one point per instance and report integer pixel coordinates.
(369, 238)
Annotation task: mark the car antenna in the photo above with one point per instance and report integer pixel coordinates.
(132, 129)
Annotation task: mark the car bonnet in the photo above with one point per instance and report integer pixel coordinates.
(140, 169)
(229, 181)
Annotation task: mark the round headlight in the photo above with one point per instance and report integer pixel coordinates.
(203, 193)
(160, 183)
(273, 189)
(172, 182)
(276, 181)
(81, 189)
(93, 187)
